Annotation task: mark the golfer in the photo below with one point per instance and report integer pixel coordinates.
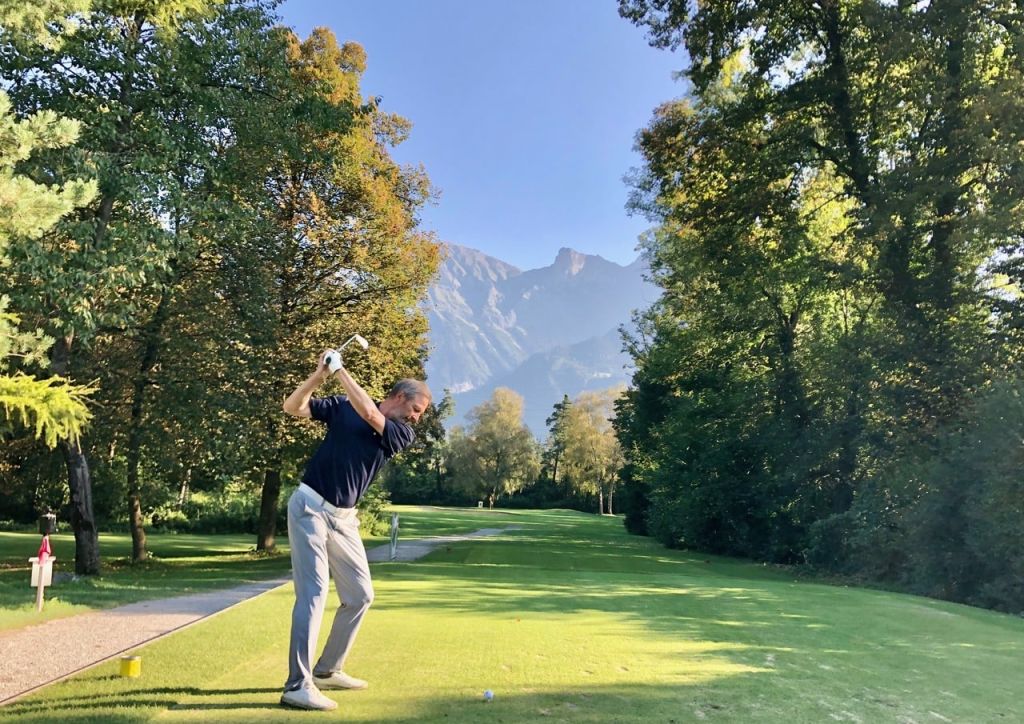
(323, 529)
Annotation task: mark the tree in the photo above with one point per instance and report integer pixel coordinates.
(554, 448)
(85, 274)
(54, 408)
(338, 252)
(753, 263)
(210, 106)
(888, 98)
(593, 456)
(418, 473)
(496, 455)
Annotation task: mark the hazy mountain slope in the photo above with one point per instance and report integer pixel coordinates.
(543, 332)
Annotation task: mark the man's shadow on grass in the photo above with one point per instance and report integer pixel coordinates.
(158, 697)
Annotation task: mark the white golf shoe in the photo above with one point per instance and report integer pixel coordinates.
(308, 698)
(339, 680)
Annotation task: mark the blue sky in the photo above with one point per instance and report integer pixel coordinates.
(524, 113)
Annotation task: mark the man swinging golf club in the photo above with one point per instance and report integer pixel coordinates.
(323, 529)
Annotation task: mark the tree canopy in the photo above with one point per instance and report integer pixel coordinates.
(829, 199)
(496, 455)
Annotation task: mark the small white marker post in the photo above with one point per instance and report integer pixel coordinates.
(42, 576)
(394, 537)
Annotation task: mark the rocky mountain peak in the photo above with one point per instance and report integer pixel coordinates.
(543, 332)
(569, 261)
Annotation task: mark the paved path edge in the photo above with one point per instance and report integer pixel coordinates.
(413, 549)
(276, 583)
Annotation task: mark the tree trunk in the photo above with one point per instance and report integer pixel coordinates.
(150, 353)
(791, 401)
(139, 552)
(850, 430)
(268, 509)
(87, 545)
(83, 522)
(183, 490)
(152, 336)
(600, 501)
(611, 491)
(267, 526)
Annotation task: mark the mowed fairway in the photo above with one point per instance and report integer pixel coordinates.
(568, 618)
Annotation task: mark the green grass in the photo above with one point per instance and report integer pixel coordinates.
(570, 619)
(181, 564)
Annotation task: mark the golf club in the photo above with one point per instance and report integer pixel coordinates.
(333, 358)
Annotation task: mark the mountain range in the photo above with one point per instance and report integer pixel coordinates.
(542, 332)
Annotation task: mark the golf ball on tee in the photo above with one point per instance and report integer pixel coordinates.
(488, 695)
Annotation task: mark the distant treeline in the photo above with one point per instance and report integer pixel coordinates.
(495, 459)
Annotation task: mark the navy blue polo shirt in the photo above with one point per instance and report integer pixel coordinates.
(352, 452)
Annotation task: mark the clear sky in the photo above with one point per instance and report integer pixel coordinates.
(524, 113)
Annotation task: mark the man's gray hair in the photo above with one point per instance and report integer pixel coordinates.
(410, 388)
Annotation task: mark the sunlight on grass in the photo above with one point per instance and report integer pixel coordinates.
(561, 630)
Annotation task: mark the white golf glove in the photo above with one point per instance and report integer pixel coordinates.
(333, 360)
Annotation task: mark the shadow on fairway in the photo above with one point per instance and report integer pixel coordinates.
(620, 703)
(72, 708)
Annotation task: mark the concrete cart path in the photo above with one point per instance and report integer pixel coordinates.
(411, 550)
(71, 645)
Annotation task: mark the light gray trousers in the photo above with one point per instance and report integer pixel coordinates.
(325, 544)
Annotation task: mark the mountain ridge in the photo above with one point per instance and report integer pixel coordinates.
(489, 318)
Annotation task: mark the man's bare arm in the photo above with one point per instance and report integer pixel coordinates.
(297, 403)
(361, 401)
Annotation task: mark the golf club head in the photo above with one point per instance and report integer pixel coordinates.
(359, 339)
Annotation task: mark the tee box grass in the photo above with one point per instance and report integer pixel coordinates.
(565, 617)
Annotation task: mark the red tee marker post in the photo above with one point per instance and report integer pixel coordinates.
(42, 564)
(42, 570)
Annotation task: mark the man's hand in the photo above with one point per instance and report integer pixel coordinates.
(325, 368)
(331, 359)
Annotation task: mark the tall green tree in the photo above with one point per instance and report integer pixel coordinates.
(339, 253)
(209, 106)
(419, 474)
(900, 102)
(52, 407)
(756, 265)
(554, 447)
(85, 275)
(496, 454)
